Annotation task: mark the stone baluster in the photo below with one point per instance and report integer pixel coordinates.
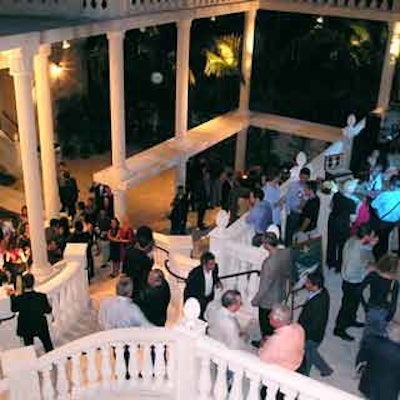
(272, 388)
(76, 375)
(106, 370)
(119, 362)
(220, 387)
(289, 393)
(205, 384)
(62, 380)
(170, 364)
(92, 373)
(133, 366)
(147, 365)
(47, 385)
(236, 392)
(159, 364)
(254, 386)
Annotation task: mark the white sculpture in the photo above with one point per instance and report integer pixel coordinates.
(345, 146)
(301, 161)
(222, 221)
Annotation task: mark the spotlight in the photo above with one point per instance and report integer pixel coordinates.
(212, 19)
(320, 20)
(66, 45)
(56, 70)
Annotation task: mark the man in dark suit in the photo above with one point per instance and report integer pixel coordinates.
(202, 281)
(79, 236)
(314, 318)
(137, 263)
(32, 307)
(155, 298)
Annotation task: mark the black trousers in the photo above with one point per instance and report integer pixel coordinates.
(336, 241)
(263, 318)
(292, 226)
(44, 336)
(350, 302)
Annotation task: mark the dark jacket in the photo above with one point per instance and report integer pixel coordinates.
(380, 379)
(195, 286)
(154, 303)
(32, 307)
(137, 266)
(314, 316)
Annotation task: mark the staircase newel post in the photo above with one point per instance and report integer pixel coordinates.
(217, 238)
(189, 331)
(20, 367)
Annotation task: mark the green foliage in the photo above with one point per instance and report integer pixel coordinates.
(316, 71)
(223, 59)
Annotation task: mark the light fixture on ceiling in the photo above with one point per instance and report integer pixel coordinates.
(66, 45)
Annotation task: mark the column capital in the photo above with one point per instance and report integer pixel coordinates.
(21, 61)
(116, 35)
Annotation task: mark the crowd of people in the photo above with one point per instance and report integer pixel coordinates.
(361, 219)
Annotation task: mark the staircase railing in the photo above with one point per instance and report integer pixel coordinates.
(169, 363)
(67, 292)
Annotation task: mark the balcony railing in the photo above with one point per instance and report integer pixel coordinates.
(99, 9)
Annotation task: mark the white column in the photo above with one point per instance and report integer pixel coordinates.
(182, 77)
(247, 59)
(389, 65)
(180, 173)
(21, 68)
(46, 132)
(241, 147)
(120, 205)
(117, 107)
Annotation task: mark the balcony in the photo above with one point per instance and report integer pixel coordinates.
(106, 9)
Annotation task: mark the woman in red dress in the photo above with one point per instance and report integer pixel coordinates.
(126, 237)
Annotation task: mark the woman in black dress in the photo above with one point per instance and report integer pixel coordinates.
(115, 247)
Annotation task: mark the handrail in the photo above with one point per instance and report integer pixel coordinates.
(181, 278)
(253, 271)
(176, 276)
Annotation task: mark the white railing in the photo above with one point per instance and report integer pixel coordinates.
(170, 363)
(249, 374)
(67, 292)
(120, 8)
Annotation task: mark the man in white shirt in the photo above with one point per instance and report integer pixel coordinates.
(223, 324)
(119, 311)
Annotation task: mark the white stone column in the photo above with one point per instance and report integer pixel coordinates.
(120, 205)
(247, 59)
(389, 65)
(180, 173)
(46, 132)
(241, 147)
(182, 77)
(21, 69)
(117, 107)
